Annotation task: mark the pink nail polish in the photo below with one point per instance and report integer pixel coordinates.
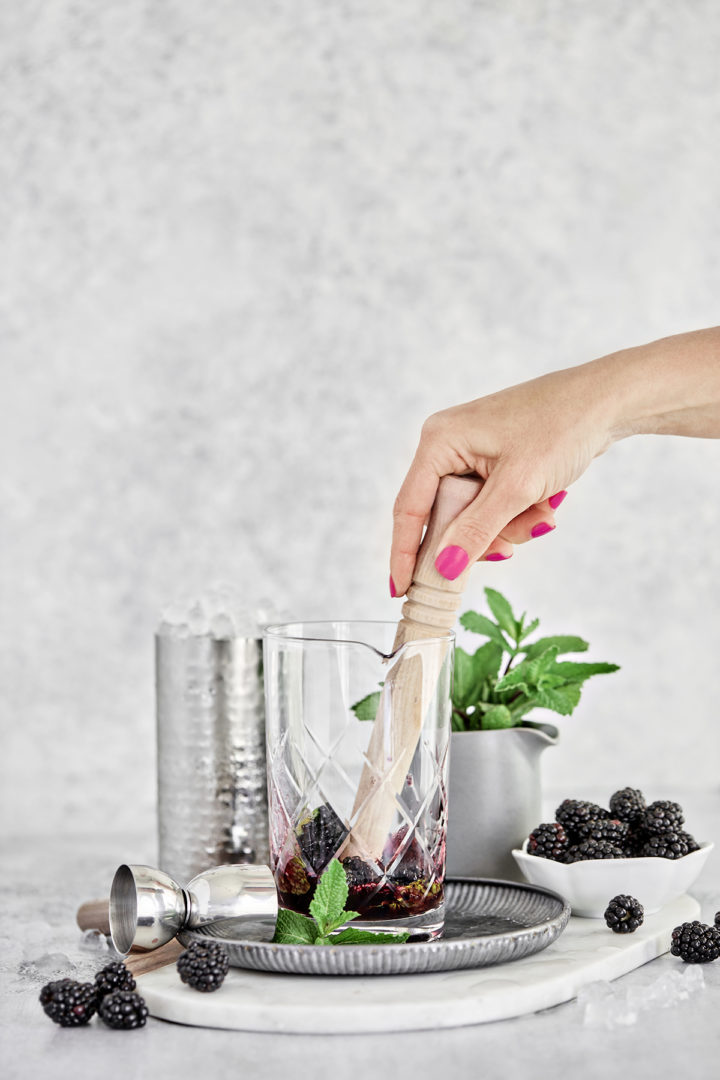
(495, 556)
(556, 499)
(451, 562)
(393, 590)
(541, 528)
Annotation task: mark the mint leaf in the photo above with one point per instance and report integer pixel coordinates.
(465, 686)
(331, 893)
(486, 661)
(574, 673)
(525, 631)
(480, 624)
(498, 716)
(503, 613)
(327, 908)
(561, 699)
(343, 917)
(367, 937)
(528, 672)
(294, 929)
(367, 707)
(564, 642)
(472, 671)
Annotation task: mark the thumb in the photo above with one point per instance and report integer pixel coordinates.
(472, 532)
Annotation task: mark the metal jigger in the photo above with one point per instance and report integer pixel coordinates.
(148, 908)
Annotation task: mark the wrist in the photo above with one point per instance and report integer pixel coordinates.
(668, 387)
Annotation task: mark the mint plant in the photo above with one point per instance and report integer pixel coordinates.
(508, 676)
(327, 908)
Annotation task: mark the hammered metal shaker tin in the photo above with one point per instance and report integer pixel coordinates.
(212, 783)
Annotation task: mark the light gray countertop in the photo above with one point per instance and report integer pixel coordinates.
(45, 880)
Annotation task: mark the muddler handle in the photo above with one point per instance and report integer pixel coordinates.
(431, 606)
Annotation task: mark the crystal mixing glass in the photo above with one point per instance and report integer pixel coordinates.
(343, 784)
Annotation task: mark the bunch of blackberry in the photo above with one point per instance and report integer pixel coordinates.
(123, 1010)
(668, 845)
(662, 817)
(624, 914)
(696, 943)
(548, 841)
(204, 965)
(70, 1003)
(628, 829)
(113, 977)
(594, 849)
(628, 805)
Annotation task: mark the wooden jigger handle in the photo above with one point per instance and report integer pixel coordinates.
(95, 915)
(430, 608)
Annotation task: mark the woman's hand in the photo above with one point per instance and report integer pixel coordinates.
(531, 441)
(528, 442)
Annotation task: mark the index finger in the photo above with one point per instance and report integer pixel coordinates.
(410, 513)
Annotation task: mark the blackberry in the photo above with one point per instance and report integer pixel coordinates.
(294, 878)
(695, 943)
(123, 1010)
(662, 817)
(319, 835)
(113, 977)
(628, 805)
(594, 849)
(604, 829)
(407, 873)
(548, 841)
(204, 965)
(571, 813)
(669, 845)
(717, 919)
(358, 872)
(69, 1003)
(635, 841)
(624, 914)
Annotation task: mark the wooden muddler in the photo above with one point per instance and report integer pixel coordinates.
(430, 609)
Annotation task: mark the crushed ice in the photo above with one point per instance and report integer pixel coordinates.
(220, 612)
(605, 1005)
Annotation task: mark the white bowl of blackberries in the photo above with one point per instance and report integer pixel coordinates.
(589, 853)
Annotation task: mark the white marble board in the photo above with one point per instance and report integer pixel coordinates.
(258, 1001)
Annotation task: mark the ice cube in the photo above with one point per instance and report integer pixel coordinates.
(667, 990)
(198, 620)
(176, 613)
(48, 966)
(267, 613)
(609, 1012)
(173, 630)
(604, 1007)
(93, 941)
(594, 991)
(693, 978)
(222, 626)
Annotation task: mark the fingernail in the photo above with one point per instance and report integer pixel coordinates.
(556, 499)
(495, 556)
(393, 590)
(541, 528)
(451, 562)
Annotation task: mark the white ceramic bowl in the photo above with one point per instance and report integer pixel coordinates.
(589, 886)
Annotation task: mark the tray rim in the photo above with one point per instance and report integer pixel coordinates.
(553, 926)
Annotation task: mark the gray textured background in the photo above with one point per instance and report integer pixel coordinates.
(246, 249)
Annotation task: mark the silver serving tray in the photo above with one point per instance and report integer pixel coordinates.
(486, 922)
